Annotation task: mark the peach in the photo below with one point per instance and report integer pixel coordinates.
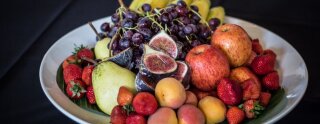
(213, 109)
(191, 98)
(241, 74)
(170, 93)
(190, 114)
(163, 115)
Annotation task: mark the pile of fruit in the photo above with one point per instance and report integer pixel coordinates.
(167, 61)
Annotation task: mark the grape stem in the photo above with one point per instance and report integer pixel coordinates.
(121, 3)
(94, 30)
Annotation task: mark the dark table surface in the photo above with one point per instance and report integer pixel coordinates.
(30, 27)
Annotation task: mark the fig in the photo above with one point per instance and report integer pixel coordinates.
(182, 74)
(164, 43)
(158, 65)
(124, 58)
(143, 83)
(147, 49)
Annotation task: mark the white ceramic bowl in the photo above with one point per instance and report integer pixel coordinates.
(293, 71)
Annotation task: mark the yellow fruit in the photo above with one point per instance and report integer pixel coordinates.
(136, 4)
(170, 93)
(217, 12)
(204, 6)
(188, 2)
(213, 109)
(159, 3)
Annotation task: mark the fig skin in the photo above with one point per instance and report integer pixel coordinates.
(208, 65)
(234, 41)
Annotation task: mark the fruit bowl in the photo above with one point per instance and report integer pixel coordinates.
(290, 65)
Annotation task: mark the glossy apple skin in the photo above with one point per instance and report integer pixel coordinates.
(208, 65)
(234, 41)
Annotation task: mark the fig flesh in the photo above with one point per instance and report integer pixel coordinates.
(182, 74)
(164, 43)
(158, 66)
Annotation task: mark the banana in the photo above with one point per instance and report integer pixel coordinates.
(159, 3)
(217, 12)
(204, 6)
(134, 4)
(188, 2)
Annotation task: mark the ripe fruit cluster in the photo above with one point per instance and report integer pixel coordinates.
(134, 28)
(77, 70)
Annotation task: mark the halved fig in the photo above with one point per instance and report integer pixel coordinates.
(124, 58)
(182, 74)
(147, 49)
(158, 65)
(163, 42)
(143, 83)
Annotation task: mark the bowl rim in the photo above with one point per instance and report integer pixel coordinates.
(79, 120)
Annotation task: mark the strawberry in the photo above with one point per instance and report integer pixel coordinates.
(125, 96)
(86, 74)
(70, 60)
(271, 81)
(252, 108)
(229, 91)
(250, 89)
(90, 95)
(118, 115)
(256, 46)
(264, 63)
(72, 72)
(85, 53)
(264, 98)
(135, 118)
(145, 103)
(235, 115)
(75, 89)
(252, 56)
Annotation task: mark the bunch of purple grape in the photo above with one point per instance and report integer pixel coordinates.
(181, 22)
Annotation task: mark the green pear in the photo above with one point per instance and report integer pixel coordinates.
(107, 78)
(101, 49)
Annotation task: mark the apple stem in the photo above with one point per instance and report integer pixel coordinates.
(95, 31)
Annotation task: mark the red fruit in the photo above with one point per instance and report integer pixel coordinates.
(264, 98)
(86, 74)
(85, 52)
(256, 46)
(136, 119)
(145, 103)
(90, 95)
(235, 115)
(250, 89)
(271, 81)
(75, 89)
(118, 115)
(71, 72)
(252, 108)
(264, 63)
(125, 96)
(229, 91)
(70, 60)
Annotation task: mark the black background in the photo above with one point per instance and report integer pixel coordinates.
(29, 27)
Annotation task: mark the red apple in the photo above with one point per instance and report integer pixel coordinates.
(208, 65)
(235, 43)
